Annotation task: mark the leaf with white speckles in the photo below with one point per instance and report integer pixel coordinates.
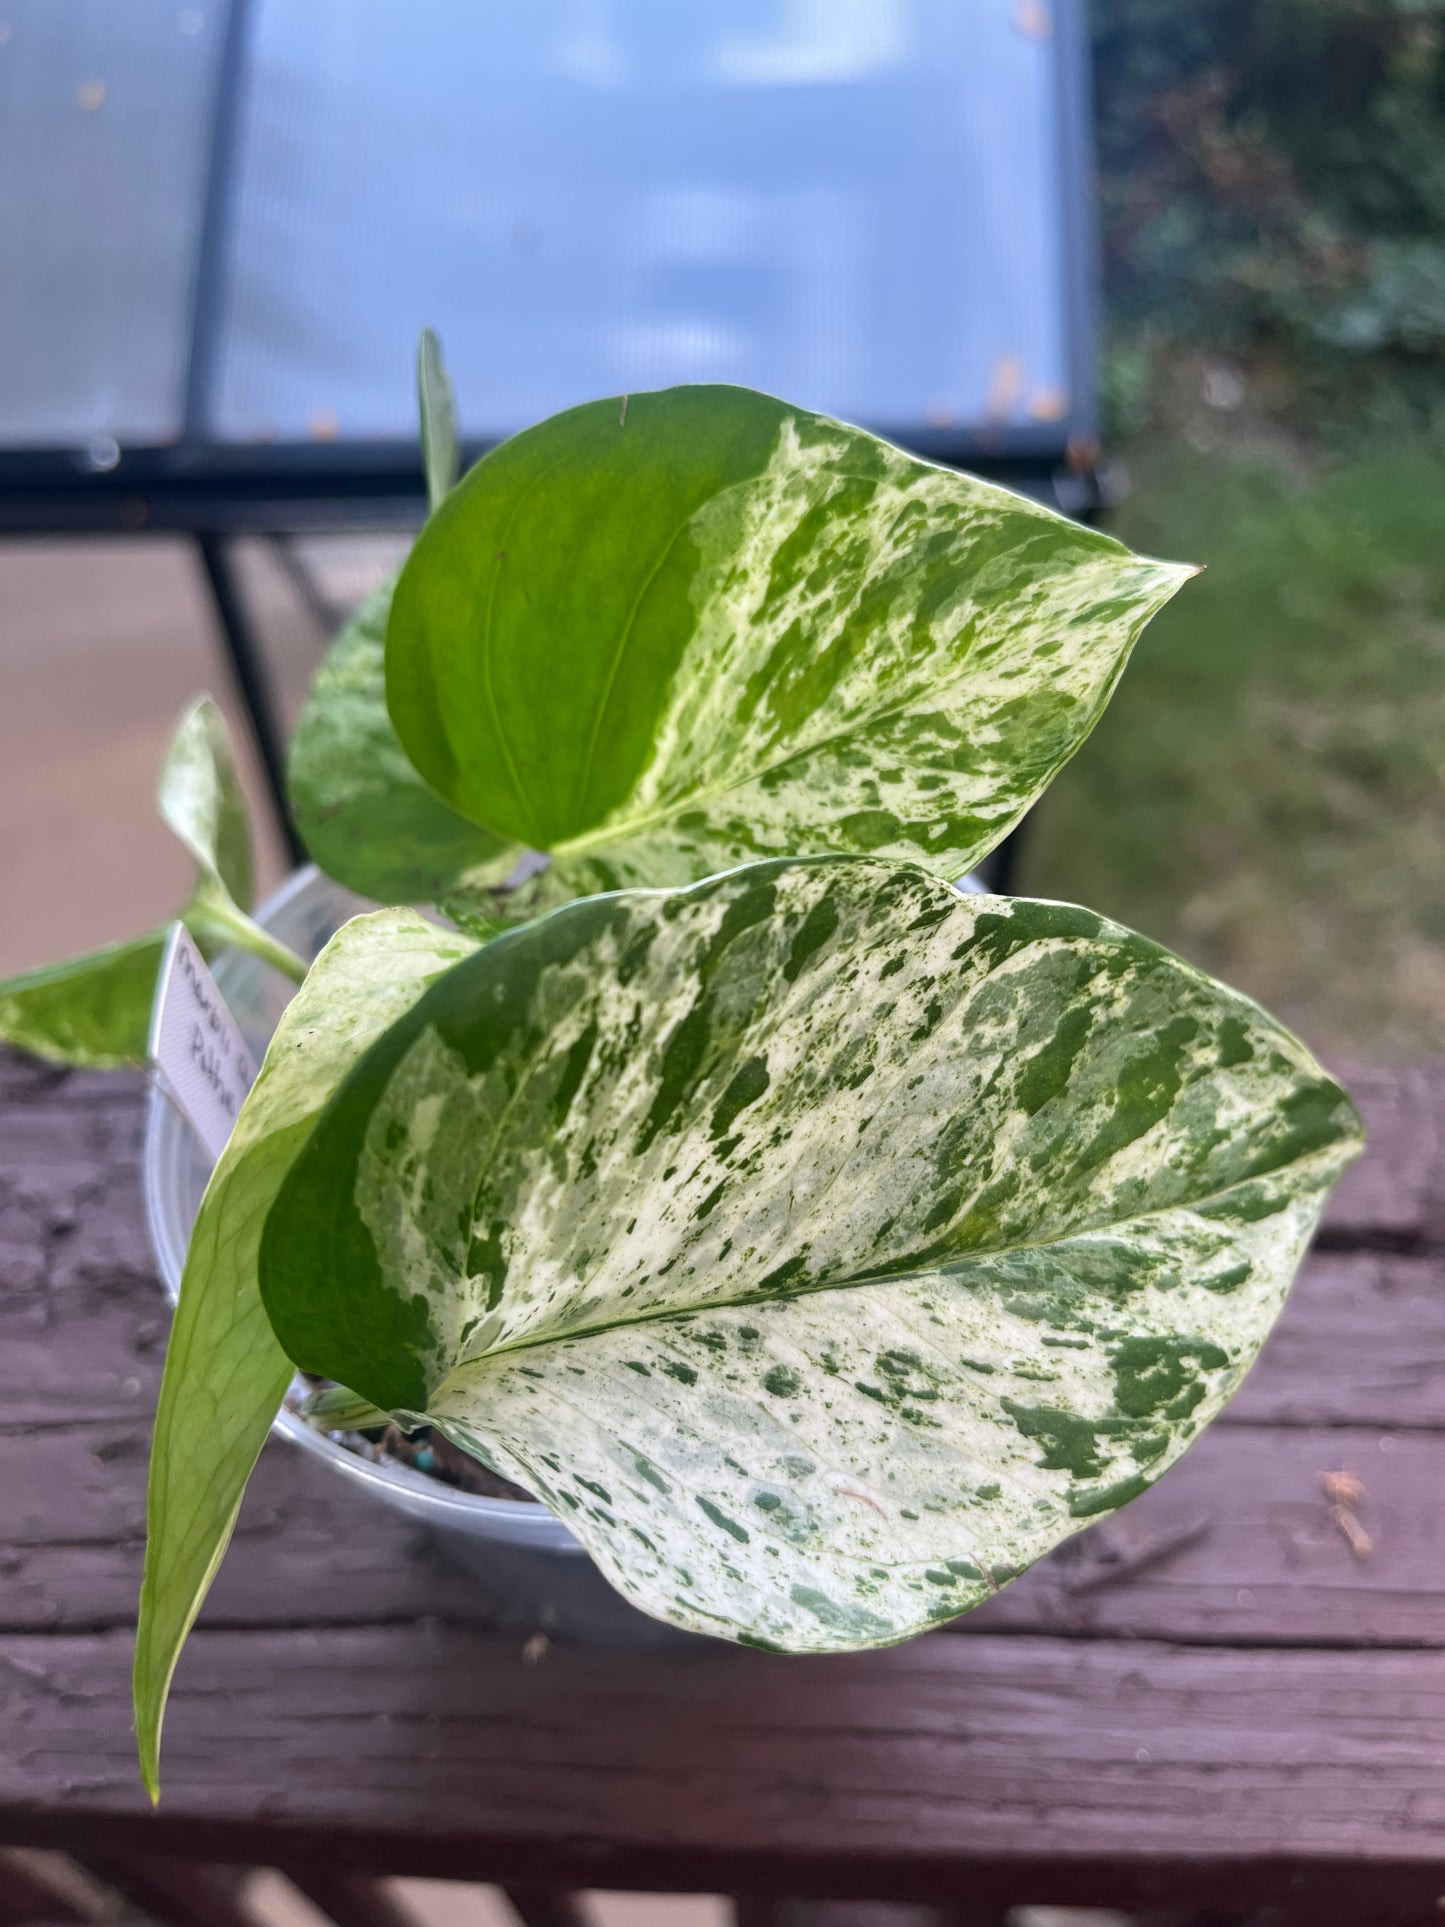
(96, 1009)
(723, 628)
(225, 1374)
(822, 1245)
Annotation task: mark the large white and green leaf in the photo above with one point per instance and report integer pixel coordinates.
(822, 1245)
(661, 639)
(95, 1009)
(225, 1374)
(363, 812)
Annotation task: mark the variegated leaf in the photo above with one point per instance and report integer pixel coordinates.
(362, 810)
(95, 1009)
(200, 799)
(225, 1374)
(822, 1245)
(661, 639)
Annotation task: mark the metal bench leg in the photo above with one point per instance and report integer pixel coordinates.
(546, 1906)
(327, 616)
(174, 1893)
(351, 1900)
(248, 666)
(32, 1896)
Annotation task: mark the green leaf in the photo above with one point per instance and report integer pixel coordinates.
(821, 1244)
(362, 810)
(91, 1010)
(334, 1408)
(365, 815)
(660, 640)
(201, 801)
(225, 1374)
(440, 454)
(95, 1009)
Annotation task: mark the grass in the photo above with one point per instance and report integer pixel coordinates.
(1266, 793)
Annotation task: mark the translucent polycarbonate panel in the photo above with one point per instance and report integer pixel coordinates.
(869, 206)
(105, 112)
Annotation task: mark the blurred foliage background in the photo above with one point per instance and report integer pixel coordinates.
(1273, 186)
(1267, 791)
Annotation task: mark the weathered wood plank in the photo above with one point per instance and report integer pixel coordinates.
(78, 1298)
(1139, 1752)
(1396, 1192)
(932, 1768)
(1361, 1342)
(82, 1327)
(1239, 1543)
(1262, 1560)
(73, 1248)
(63, 1130)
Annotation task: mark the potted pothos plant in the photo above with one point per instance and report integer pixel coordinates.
(821, 1244)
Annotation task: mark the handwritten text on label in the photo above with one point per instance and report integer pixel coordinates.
(196, 1046)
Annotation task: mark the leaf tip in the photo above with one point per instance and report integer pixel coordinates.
(1161, 581)
(148, 1752)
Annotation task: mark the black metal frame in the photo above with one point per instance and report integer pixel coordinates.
(213, 493)
(311, 488)
(214, 496)
(213, 549)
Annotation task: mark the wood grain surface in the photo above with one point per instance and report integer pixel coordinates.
(1227, 1696)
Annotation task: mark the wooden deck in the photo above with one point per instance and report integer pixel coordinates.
(1231, 1697)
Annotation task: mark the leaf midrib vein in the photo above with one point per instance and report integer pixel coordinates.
(625, 637)
(890, 1274)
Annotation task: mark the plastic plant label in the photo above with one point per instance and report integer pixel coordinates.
(196, 1044)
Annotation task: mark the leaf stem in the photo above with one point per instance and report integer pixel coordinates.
(210, 915)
